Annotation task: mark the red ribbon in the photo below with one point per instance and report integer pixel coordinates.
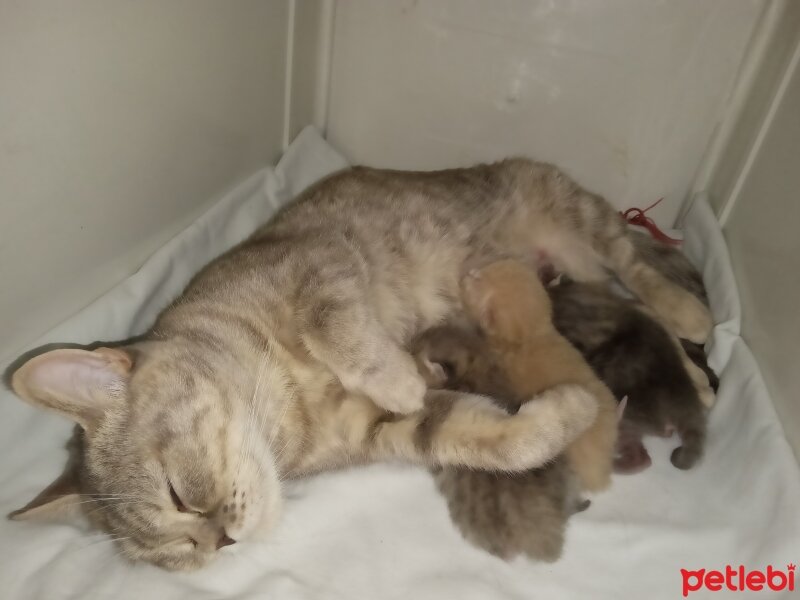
(637, 216)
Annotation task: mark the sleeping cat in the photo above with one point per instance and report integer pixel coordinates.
(506, 514)
(286, 355)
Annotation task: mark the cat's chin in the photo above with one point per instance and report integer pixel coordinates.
(266, 523)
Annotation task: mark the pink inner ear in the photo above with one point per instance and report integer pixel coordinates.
(77, 383)
(488, 318)
(120, 360)
(83, 375)
(621, 408)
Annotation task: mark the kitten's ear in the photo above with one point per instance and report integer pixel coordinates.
(58, 500)
(79, 384)
(484, 311)
(479, 300)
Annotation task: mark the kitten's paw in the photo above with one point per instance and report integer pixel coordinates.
(684, 458)
(632, 457)
(398, 388)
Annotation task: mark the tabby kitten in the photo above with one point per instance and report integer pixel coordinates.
(286, 355)
(506, 514)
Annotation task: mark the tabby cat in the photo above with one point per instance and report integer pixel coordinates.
(286, 355)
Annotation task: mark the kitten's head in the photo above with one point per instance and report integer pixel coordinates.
(508, 301)
(457, 358)
(168, 457)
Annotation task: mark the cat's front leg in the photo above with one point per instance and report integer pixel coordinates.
(341, 332)
(458, 429)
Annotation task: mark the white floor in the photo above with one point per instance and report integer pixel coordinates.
(383, 532)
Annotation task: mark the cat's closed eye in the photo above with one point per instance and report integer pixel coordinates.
(176, 500)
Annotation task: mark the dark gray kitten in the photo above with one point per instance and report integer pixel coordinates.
(635, 357)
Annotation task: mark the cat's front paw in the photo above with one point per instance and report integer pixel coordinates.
(551, 420)
(398, 388)
(572, 407)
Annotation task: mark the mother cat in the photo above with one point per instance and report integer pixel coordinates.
(285, 356)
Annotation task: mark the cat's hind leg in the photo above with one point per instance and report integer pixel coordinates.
(681, 311)
(584, 235)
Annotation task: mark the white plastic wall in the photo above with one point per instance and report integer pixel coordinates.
(119, 122)
(762, 227)
(624, 94)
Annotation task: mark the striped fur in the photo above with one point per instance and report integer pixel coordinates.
(282, 356)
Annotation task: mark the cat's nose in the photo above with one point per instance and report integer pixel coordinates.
(224, 541)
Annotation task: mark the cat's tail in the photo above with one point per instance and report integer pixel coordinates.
(690, 424)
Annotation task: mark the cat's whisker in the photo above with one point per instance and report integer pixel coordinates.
(262, 409)
(110, 499)
(289, 399)
(279, 453)
(107, 540)
(251, 405)
(117, 505)
(279, 422)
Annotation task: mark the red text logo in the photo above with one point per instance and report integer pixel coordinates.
(738, 580)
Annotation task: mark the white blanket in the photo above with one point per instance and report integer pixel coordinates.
(383, 531)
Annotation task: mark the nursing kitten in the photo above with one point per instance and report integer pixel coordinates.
(526, 513)
(506, 514)
(636, 357)
(282, 357)
(513, 310)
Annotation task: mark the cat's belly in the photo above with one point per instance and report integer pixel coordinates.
(420, 305)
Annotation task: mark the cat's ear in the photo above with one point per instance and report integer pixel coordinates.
(79, 384)
(60, 499)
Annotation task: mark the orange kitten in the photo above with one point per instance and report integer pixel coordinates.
(513, 309)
